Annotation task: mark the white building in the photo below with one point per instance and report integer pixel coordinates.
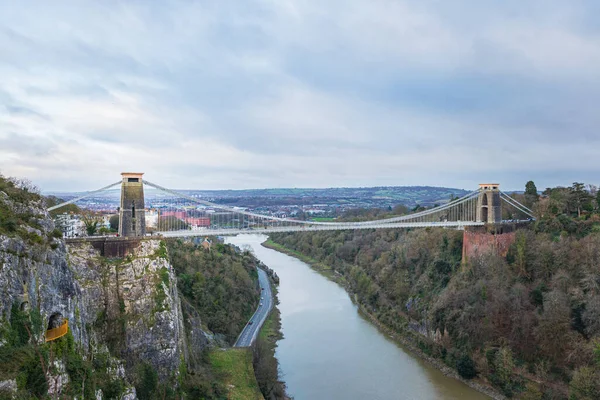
(151, 216)
(104, 222)
(70, 225)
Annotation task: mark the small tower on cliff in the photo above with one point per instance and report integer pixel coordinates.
(132, 221)
(489, 207)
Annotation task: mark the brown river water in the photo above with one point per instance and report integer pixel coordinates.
(329, 351)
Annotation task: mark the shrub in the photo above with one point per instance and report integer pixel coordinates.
(537, 295)
(504, 365)
(9, 223)
(113, 389)
(585, 384)
(466, 367)
(18, 324)
(147, 382)
(532, 392)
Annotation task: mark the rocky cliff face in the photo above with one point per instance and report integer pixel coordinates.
(34, 271)
(129, 305)
(128, 308)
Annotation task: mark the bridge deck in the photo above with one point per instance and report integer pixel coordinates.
(332, 227)
(178, 214)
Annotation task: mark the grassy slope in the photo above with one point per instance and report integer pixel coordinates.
(236, 365)
(268, 329)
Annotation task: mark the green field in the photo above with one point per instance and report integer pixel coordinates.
(323, 219)
(235, 364)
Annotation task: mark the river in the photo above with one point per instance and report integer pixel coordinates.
(329, 351)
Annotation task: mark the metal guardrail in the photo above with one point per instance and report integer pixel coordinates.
(55, 333)
(331, 227)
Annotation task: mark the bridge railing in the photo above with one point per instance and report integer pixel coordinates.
(55, 333)
(170, 212)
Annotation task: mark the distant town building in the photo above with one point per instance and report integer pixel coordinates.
(151, 218)
(198, 222)
(104, 221)
(70, 225)
(314, 211)
(176, 214)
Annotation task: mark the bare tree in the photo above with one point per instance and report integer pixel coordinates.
(25, 184)
(91, 222)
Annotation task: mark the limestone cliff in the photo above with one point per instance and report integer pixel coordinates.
(34, 271)
(131, 305)
(126, 310)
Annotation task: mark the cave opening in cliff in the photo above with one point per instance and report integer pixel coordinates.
(55, 320)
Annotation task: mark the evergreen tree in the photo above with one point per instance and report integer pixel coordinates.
(531, 189)
(579, 199)
(531, 194)
(114, 222)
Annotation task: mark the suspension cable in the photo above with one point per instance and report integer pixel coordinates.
(517, 205)
(514, 200)
(425, 212)
(87, 194)
(461, 200)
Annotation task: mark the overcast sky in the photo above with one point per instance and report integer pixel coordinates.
(300, 93)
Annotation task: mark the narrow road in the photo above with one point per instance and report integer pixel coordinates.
(250, 331)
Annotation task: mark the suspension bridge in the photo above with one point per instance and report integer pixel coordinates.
(171, 213)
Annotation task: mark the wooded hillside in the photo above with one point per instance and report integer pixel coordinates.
(528, 323)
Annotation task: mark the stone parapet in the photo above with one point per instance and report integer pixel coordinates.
(110, 246)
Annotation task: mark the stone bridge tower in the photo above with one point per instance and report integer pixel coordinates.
(132, 221)
(489, 204)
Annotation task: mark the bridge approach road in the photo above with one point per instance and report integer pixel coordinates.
(250, 331)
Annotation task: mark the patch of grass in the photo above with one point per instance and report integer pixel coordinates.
(268, 328)
(235, 366)
(164, 275)
(271, 329)
(56, 233)
(32, 237)
(323, 219)
(161, 252)
(161, 296)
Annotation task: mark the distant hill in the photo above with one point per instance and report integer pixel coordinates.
(385, 195)
(363, 196)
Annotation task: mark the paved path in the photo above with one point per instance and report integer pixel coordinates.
(250, 331)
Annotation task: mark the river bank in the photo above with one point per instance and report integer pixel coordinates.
(331, 351)
(408, 339)
(266, 365)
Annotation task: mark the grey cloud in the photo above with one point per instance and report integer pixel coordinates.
(301, 93)
(18, 110)
(27, 147)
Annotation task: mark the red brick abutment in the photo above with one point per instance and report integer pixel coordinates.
(479, 241)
